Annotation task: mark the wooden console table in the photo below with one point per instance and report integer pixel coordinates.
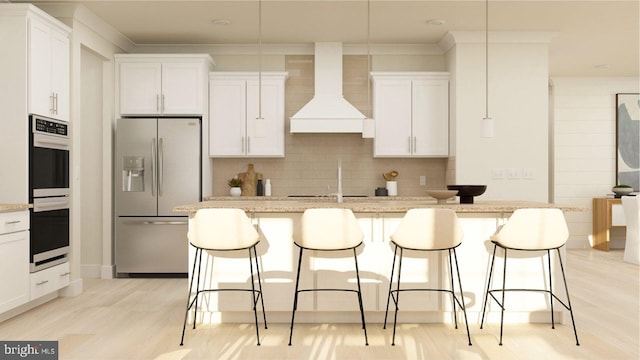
(602, 221)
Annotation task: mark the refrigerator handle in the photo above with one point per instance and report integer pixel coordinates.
(154, 173)
(160, 166)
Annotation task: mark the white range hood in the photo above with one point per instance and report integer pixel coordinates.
(328, 111)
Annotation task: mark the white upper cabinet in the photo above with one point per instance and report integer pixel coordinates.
(411, 113)
(48, 69)
(163, 84)
(236, 128)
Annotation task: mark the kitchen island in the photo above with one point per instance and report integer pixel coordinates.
(278, 221)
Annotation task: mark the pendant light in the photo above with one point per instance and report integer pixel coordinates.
(487, 126)
(259, 61)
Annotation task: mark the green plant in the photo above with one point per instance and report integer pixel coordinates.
(235, 182)
(622, 186)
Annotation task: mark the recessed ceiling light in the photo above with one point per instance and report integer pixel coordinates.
(222, 22)
(603, 66)
(436, 22)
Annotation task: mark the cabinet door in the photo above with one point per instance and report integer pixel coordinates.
(60, 75)
(182, 92)
(265, 137)
(14, 270)
(227, 115)
(392, 113)
(40, 94)
(140, 88)
(430, 117)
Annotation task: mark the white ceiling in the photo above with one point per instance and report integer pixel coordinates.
(592, 38)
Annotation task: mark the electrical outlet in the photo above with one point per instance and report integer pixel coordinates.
(423, 180)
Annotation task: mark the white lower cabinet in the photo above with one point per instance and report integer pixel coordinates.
(14, 259)
(49, 280)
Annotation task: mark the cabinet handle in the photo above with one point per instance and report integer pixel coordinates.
(409, 143)
(65, 274)
(55, 103)
(248, 145)
(162, 103)
(42, 282)
(51, 103)
(12, 222)
(243, 144)
(414, 144)
(158, 102)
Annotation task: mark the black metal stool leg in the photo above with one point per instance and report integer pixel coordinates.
(186, 311)
(254, 300)
(486, 294)
(453, 297)
(295, 296)
(504, 282)
(462, 305)
(364, 325)
(264, 315)
(397, 299)
(393, 265)
(564, 279)
(553, 322)
(195, 310)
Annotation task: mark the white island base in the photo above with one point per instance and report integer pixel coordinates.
(279, 256)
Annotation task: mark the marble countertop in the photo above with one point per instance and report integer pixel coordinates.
(14, 207)
(396, 204)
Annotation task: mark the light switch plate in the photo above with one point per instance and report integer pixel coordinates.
(498, 173)
(515, 173)
(528, 173)
(423, 180)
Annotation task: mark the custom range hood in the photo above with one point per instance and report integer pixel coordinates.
(328, 111)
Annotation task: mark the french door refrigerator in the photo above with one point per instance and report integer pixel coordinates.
(156, 167)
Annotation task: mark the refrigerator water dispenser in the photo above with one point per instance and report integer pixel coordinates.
(133, 173)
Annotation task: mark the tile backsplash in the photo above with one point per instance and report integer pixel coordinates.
(311, 160)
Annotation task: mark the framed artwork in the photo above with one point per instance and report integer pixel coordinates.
(628, 140)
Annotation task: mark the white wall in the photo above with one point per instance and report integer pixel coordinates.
(584, 146)
(518, 102)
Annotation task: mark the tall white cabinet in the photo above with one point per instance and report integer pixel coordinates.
(411, 112)
(162, 84)
(236, 127)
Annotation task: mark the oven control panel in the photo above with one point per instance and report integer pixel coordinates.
(51, 127)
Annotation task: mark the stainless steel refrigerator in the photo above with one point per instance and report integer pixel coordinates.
(156, 167)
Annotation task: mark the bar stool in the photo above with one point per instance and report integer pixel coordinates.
(222, 230)
(427, 230)
(329, 229)
(530, 230)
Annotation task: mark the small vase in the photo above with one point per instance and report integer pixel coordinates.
(235, 191)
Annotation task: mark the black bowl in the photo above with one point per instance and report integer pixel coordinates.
(467, 192)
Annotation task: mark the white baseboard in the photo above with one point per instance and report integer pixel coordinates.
(108, 272)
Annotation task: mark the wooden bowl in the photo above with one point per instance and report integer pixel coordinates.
(442, 195)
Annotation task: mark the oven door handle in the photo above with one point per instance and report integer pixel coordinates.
(50, 142)
(48, 204)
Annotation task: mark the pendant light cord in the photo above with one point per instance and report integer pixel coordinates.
(486, 62)
(369, 110)
(259, 59)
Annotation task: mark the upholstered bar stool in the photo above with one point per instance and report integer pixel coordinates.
(540, 230)
(329, 229)
(223, 230)
(427, 230)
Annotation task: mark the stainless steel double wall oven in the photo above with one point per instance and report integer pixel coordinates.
(49, 144)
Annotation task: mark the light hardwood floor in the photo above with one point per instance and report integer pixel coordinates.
(142, 319)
